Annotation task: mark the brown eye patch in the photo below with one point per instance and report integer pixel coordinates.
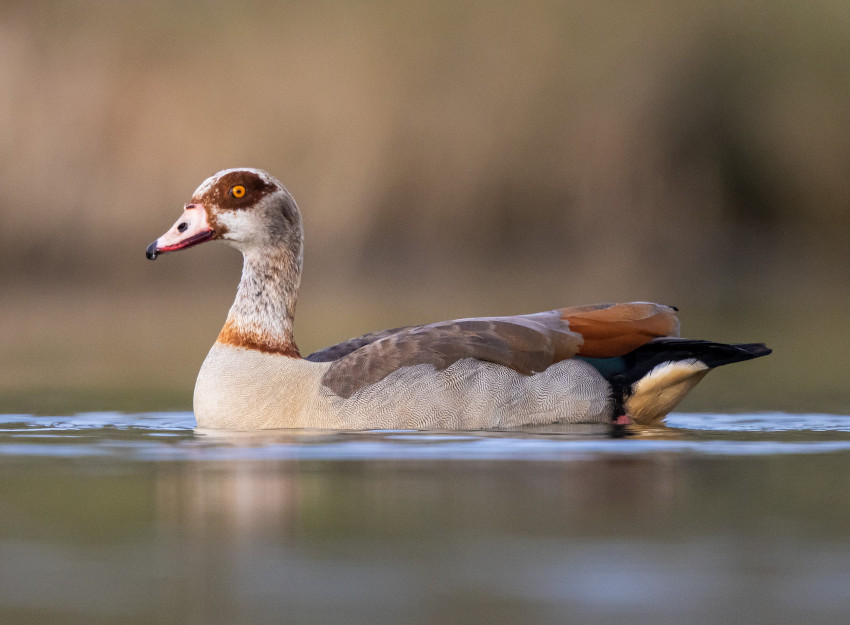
(237, 190)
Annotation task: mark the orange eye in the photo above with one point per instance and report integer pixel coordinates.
(237, 191)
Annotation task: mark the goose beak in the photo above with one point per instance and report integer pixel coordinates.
(192, 228)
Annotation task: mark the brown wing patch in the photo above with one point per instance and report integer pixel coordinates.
(616, 329)
(335, 352)
(525, 343)
(528, 344)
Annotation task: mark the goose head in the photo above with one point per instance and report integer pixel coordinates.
(247, 208)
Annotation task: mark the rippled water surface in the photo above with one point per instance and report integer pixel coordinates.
(108, 517)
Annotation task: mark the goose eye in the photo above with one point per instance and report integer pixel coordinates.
(237, 191)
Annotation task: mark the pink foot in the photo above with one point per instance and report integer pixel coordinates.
(623, 419)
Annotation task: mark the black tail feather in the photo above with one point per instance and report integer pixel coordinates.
(636, 364)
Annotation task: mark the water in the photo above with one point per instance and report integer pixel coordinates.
(108, 517)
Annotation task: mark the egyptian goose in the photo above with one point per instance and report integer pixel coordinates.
(616, 363)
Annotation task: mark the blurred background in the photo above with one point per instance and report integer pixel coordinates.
(450, 159)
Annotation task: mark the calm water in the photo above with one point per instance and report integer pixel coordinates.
(108, 518)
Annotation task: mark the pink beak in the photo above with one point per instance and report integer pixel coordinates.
(192, 228)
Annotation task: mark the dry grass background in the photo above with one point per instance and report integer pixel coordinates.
(451, 159)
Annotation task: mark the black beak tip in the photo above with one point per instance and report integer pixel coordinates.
(151, 252)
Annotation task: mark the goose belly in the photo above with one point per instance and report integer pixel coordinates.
(243, 389)
(471, 394)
